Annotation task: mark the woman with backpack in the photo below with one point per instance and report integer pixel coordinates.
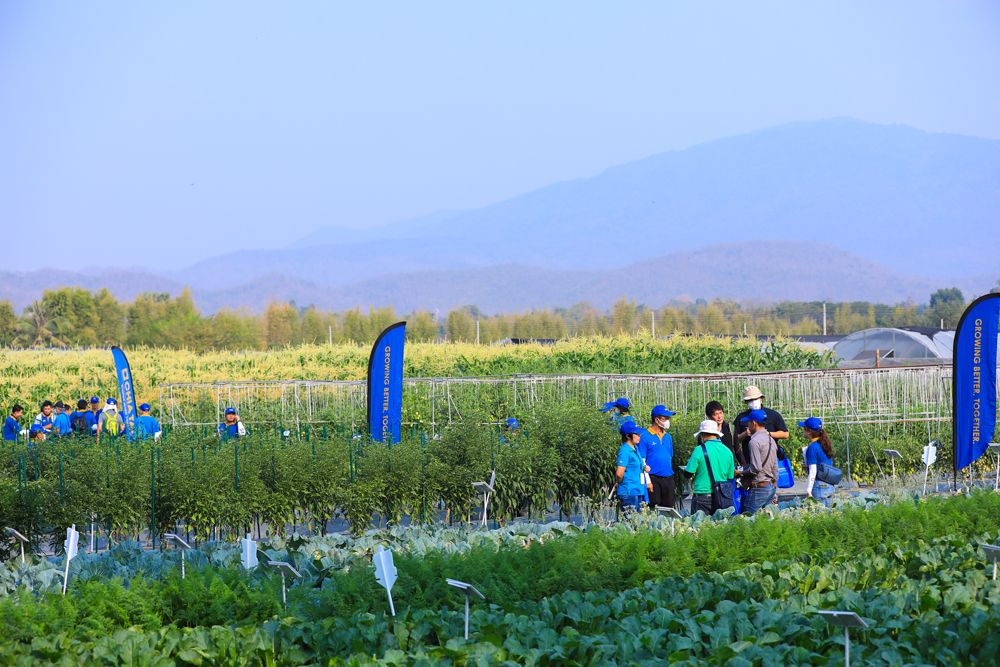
(818, 452)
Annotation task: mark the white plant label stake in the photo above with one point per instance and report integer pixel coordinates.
(72, 539)
(929, 457)
(249, 556)
(385, 573)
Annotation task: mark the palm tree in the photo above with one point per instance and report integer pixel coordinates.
(41, 327)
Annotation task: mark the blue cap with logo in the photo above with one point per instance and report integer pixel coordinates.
(94, 399)
(512, 423)
(660, 411)
(144, 407)
(628, 428)
(112, 401)
(758, 416)
(230, 411)
(814, 423)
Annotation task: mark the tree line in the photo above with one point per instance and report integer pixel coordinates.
(76, 317)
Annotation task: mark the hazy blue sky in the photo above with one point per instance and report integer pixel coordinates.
(187, 129)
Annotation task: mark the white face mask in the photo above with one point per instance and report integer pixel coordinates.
(755, 404)
(664, 424)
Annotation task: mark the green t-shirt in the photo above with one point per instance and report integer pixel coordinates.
(723, 465)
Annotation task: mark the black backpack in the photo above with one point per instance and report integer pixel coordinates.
(80, 424)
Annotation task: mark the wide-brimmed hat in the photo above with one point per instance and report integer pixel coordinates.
(752, 392)
(709, 426)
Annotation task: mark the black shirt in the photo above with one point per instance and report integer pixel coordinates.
(774, 422)
(728, 441)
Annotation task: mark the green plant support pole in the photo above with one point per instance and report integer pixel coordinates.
(560, 459)
(423, 474)
(62, 497)
(324, 432)
(152, 494)
(236, 460)
(350, 455)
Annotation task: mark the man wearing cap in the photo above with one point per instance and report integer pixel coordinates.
(94, 414)
(775, 423)
(762, 488)
(44, 419)
(147, 424)
(659, 448)
(61, 425)
(78, 418)
(232, 427)
(718, 456)
(109, 421)
(630, 469)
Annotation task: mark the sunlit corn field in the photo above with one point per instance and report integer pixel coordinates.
(31, 376)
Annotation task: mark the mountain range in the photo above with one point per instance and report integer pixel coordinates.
(757, 270)
(836, 209)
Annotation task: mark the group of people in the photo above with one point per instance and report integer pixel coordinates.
(60, 420)
(748, 453)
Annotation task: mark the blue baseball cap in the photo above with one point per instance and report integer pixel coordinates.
(512, 423)
(230, 411)
(814, 423)
(758, 416)
(628, 428)
(660, 411)
(623, 403)
(94, 399)
(144, 407)
(608, 407)
(112, 401)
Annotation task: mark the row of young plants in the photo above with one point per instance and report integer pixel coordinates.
(192, 481)
(927, 601)
(208, 487)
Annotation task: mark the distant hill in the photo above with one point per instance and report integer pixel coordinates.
(413, 228)
(914, 202)
(758, 270)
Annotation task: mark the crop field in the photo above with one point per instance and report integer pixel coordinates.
(31, 376)
(724, 591)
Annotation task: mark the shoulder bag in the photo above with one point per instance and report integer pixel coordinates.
(722, 492)
(826, 472)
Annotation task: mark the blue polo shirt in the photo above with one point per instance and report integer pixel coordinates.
(11, 429)
(659, 453)
(631, 484)
(815, 454)
(44, 422)
(62, 423)
(91, 418)
(148, 426)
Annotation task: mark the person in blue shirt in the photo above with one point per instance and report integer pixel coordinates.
(232, 427)
(512, 426)
(630, 469)
(11, 428)
(659, 448)
(619, 410)
(94, 415)
(44, 418)
(148, 427)
(61, 425)
(818, 452)
(78, 420)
